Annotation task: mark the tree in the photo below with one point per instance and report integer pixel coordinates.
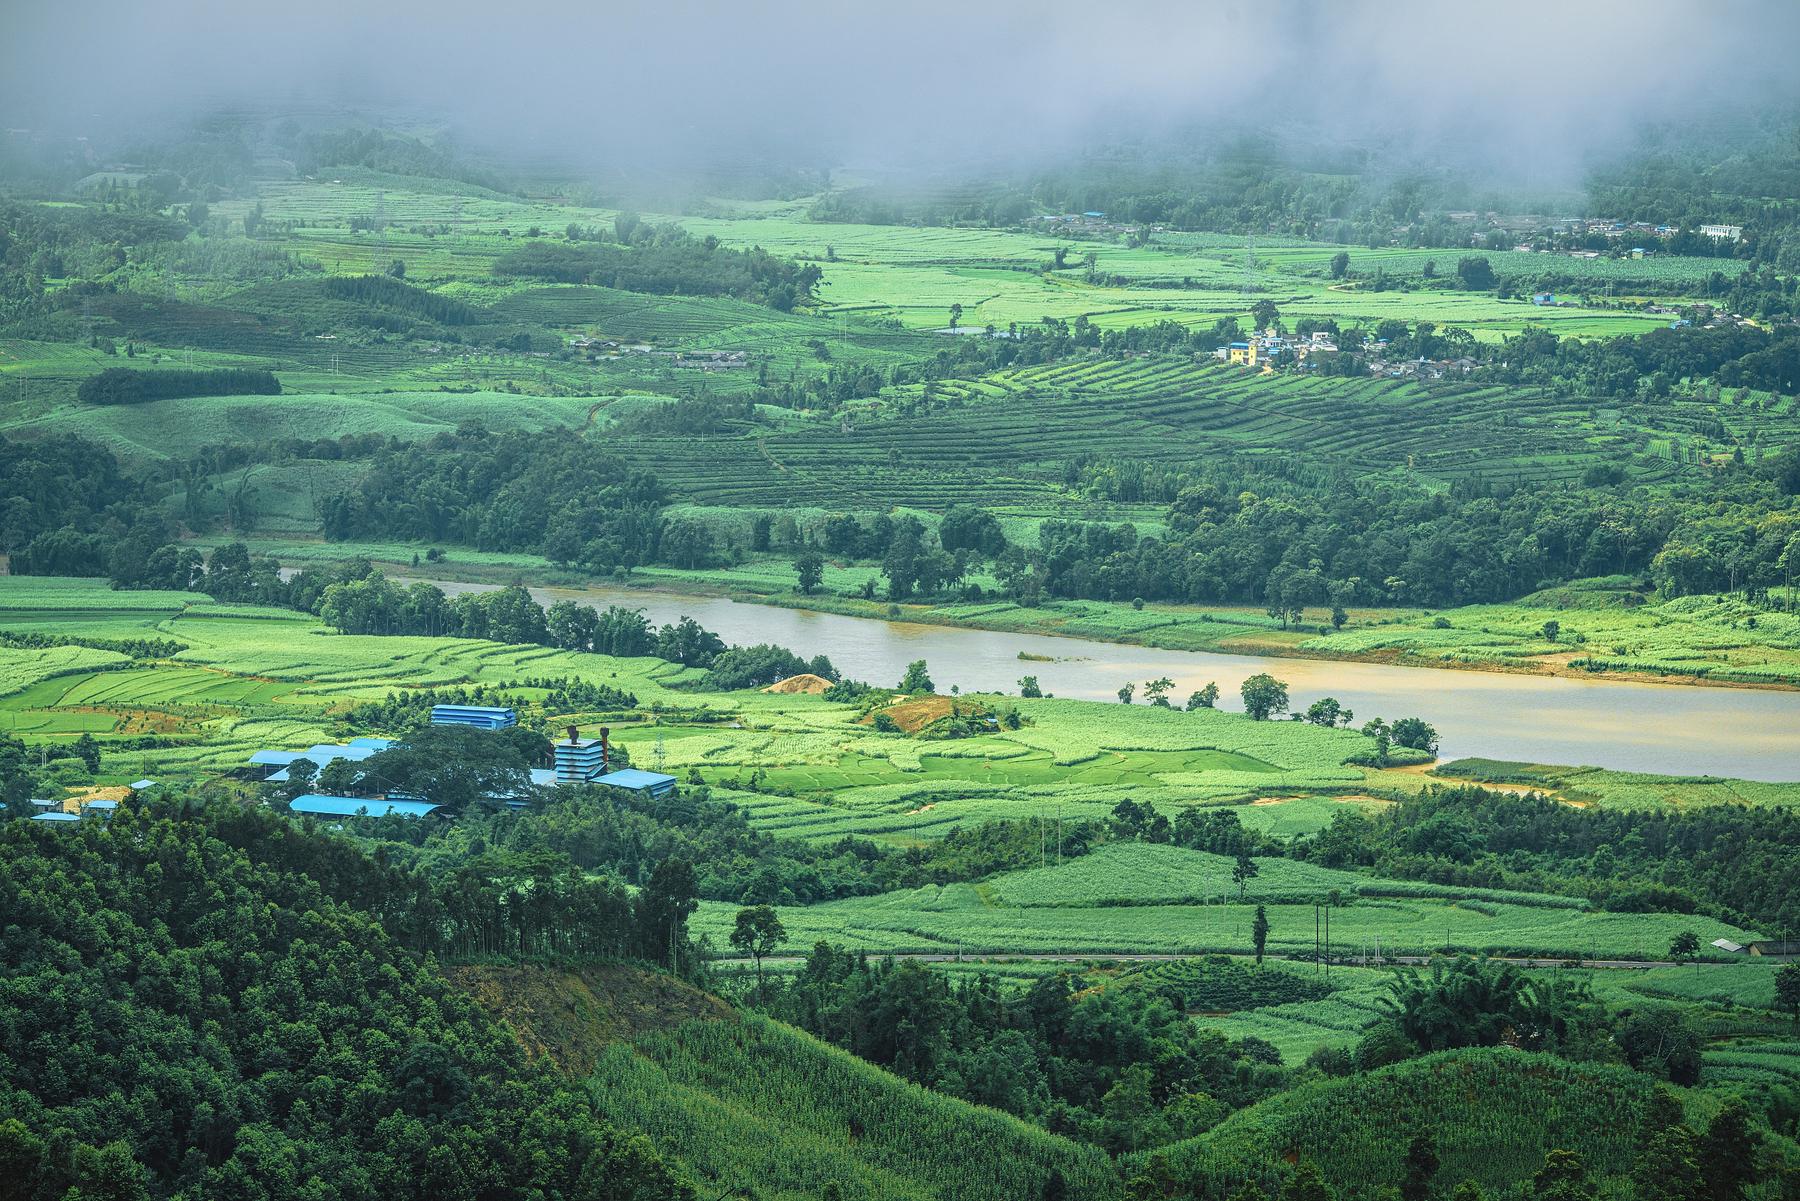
(1787, 990)
(569, 625)
(1338, 617)
(955, 316)
(1028, 687)
(663, 907)
(1421, 1166)
(87, 749)
(1340, 263)
(1259, 932)
(1475, 273)
(1265, 314)
(1383, 736)
(1660, 1040)
(1551, 630)
(1684, 946)
(1328, 713)
(1562, 1178)
(1306, 1184)
(1416, 733)
(917, 678)
(809, 571)
(1126, 692)
(1264, 696)
(756, 933)
(1205, 698)
(1244, 871)
(1157, 691)
(1728, 1152)
(1669, 1169)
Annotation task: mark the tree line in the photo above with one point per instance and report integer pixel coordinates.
(126, 386)
(668, 261)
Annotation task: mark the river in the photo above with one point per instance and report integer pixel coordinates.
(1668, 729)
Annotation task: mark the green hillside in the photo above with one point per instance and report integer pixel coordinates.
(1493, 1114)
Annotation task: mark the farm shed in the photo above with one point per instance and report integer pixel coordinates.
(1725, 944)
(482, 717)
(653, 783)
(56, 816)
(349, 806)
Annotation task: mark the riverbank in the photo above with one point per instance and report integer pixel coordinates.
(1600, 630)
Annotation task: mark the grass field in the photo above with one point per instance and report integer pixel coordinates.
(1143, 898)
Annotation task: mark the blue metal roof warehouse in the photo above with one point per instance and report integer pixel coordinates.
(654, 783)
(351, 806)
(482, 717)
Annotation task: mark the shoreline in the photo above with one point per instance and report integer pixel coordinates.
(926, 615)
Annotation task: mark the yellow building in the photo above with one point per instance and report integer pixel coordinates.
(1241, 354)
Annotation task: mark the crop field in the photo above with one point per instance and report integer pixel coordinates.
(1697, 637)
(1003, 439)
(752, 1099)
(914, 274)
(246, 674)
(957, 918)
(1485, 1108)
(162, 428)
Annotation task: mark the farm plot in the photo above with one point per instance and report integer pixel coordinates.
(949, 921)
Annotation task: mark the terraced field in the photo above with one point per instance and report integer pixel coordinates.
(1003, 439)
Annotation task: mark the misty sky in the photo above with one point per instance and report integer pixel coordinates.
(1537, 84)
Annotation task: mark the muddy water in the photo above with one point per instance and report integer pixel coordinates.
(1663, 728)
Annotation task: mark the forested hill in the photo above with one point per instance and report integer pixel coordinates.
(178, 1020)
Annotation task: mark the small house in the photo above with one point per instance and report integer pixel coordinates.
(1241, 354)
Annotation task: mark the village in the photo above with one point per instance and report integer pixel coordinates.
(576, 761)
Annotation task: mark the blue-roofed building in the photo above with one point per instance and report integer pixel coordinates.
(318, 805)
(102, 806)
(356, 750)
(482, 717)
(654, 783)
(38, 802)
(56, 815)
(579, 760)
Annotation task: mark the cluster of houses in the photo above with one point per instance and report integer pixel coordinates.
(100, 805)
(1584, 227)
(577, 760)
(595, 349)
(1270, 349)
